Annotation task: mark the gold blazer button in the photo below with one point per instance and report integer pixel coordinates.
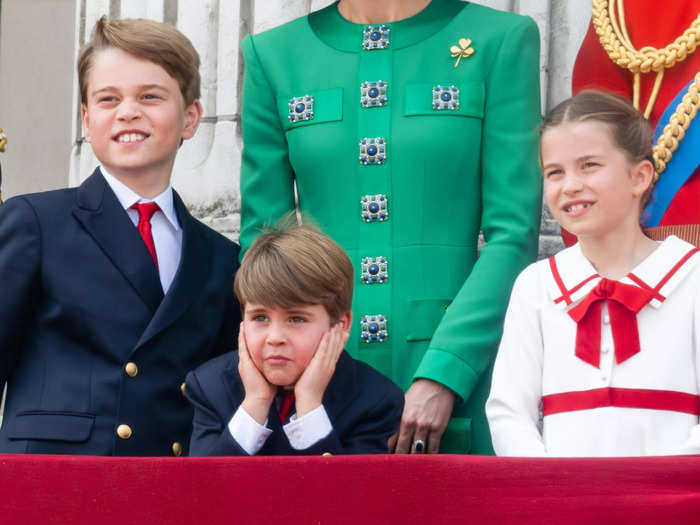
(131, 369)
(124, 431)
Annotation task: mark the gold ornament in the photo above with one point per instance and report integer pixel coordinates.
(609, 22)
(463, 51)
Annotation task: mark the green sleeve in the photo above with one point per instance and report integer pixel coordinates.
(267, 179)
(465, 341)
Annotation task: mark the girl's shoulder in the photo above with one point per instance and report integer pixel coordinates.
(674, 264)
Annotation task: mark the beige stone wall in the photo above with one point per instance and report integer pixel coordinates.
(36, 82)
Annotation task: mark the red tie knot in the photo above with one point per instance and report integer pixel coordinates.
(146, 210)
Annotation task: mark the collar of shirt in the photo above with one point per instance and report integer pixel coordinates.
(662, 271)
(128, 197)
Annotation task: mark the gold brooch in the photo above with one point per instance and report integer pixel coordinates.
(463, 51)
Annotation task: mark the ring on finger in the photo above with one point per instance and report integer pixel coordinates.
(418, 446)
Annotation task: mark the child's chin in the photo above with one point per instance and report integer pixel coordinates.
(278, 380)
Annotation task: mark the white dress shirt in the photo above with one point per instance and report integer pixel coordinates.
(301, 432)
(536, 359)
(165, 228)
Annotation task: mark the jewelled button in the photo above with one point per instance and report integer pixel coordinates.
(375, 37)
(373, 94)
(372, 150)
(374, 208)
(374, 270)
(301, 108)
(373, 328)
(445, 97)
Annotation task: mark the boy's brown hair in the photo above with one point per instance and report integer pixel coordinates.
(156, 42)
(293, 265)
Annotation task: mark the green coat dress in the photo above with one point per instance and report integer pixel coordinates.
(402, 155)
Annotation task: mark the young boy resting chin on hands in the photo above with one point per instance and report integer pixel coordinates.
(291, 388)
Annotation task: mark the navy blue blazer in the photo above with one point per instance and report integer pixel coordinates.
(363, 406)
(80, 298)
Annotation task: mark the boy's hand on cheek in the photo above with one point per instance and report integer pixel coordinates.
(259, 393)
(312, 384)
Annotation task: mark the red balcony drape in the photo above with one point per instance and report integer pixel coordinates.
(354, 490)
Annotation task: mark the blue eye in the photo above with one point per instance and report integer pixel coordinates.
(259, 318)
(297, 319)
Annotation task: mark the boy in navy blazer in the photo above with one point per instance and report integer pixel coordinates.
(112, 291)
(291, 388)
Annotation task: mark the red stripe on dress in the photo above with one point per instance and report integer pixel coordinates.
(645, 286)
(675, 268)
(557, 278)
(621, 397)
(582, 283)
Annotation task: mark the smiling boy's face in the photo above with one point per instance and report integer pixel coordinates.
(135, 116)
(282, 341)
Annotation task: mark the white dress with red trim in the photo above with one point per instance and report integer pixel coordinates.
(593, 367)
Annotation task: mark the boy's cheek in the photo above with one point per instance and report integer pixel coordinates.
(254, 346)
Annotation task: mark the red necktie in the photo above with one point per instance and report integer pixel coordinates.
(286, 404)
(624, 301)
(146, 211)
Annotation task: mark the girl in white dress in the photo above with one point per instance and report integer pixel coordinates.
(599, 355)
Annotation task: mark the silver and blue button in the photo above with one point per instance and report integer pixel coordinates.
(372, 150)
(374, 270)
(446, 97)
(301, 108)
(373, 94)
(374, 208)
(375, 37)
(373, 328)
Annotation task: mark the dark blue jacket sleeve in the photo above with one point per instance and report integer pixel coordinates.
(369, 433)
(20, 287)
(210, 435)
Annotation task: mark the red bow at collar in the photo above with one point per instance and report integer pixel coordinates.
(624, 301)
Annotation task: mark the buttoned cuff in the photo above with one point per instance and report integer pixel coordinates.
(247, 432)
(305, 431)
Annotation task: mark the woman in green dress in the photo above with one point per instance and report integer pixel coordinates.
(407, 126)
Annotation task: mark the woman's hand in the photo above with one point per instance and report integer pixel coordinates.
(259, 393)
(425, 416)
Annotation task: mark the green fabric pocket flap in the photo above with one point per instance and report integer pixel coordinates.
(419, 100)
(457, 438)
(327, 107)
(53, 426)
(423, 317)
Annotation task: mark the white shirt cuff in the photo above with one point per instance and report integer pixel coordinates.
(247, 432)
(305, 431)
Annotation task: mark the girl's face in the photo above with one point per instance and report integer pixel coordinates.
(590, 186)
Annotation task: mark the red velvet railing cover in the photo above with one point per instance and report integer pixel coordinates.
(354, 490)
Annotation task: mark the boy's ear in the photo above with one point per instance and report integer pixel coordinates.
(642, 177)
(86, 121)
(345, 321)
(193, 116)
